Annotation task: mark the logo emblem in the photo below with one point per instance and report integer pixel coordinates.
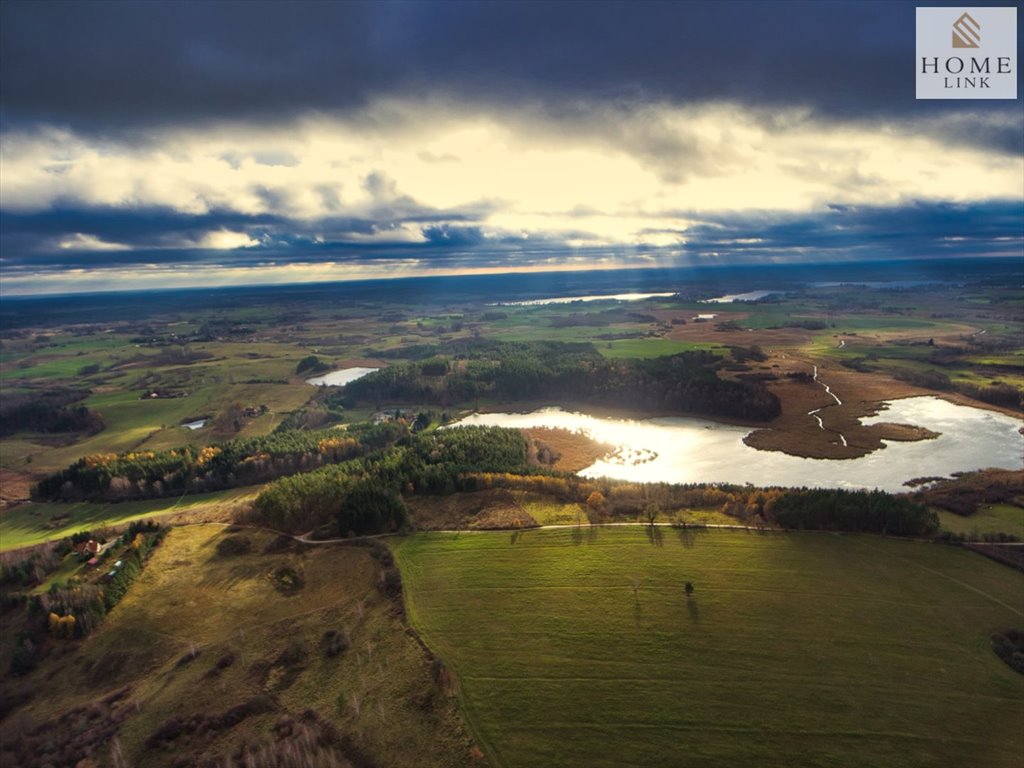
(966, 32)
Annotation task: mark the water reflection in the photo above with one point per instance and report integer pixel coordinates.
(690, 450)
(340, 378)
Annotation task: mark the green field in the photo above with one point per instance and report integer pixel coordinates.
(993, 518)
(29, 524)
(579, 647)
(652, 347)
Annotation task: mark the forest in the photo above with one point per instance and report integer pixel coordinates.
(564, 372)
(364, 495)
(52, 411)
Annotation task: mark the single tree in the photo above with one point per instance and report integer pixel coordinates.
(688, 588)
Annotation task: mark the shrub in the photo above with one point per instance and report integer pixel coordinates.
(233, 546)
(24, 660)
(334, 643)
(288, 580)
(1009, 646)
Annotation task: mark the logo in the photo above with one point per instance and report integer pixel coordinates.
(966, 53)
(966, 32)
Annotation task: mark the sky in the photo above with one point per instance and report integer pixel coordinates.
(171, 144)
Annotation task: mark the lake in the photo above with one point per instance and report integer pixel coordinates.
(340, 378)
(571, 299)
(733, 297)
(693, 450)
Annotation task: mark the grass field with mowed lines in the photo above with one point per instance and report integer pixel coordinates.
(578, 647)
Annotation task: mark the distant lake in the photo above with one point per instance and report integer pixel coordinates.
(571, 299)
(193, 425)
(731, 297)
(340, 378)
(692, 450)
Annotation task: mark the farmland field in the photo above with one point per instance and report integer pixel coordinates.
(578, 647)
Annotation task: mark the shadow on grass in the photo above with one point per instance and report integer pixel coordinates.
(224, 578)
(688, 535)
(693, 609)
(655, 535)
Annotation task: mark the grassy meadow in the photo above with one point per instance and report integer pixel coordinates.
(28, 524)
(578, 647)
(201, 632)
(992, 518)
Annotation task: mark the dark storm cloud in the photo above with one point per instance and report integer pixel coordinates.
(911, 231)
(850, 232)
(28, 233)
(111, 65)
(160, 236)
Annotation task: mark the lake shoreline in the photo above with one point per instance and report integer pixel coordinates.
(921, 436)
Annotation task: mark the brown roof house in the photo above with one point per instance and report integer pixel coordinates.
(87, 549)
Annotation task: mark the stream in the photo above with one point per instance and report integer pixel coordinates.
(816, 411)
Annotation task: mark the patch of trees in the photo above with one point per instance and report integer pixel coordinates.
(156, 474)
(835, 510)
(996, 393)
(859, 364)
(409, 352)
(29, 566)
(567, 372)
(50, 412)
(807, 325)
(311, 364)
(326, 406)
(76, 608)
(966, 493)
(926, 379)
(363, 495)
(743, 354)
(862, 511)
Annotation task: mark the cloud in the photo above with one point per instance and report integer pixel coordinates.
(78, 241)
(517, 164)
(114, 66)
(226, 240)
(463, 135)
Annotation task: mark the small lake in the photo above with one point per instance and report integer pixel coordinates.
(733, 297)
(692, 450)
(571, 299)
(340, 378)
(198, 424)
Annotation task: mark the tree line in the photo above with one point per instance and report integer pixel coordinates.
(156, 474)
(364, 495)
